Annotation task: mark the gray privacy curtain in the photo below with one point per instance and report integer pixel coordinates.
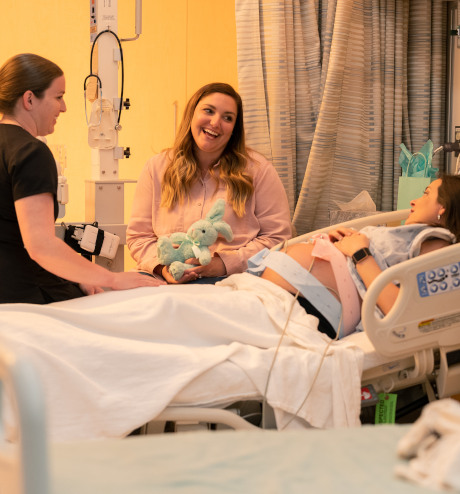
(332, 88)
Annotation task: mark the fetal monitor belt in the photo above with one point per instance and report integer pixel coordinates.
(301, 279)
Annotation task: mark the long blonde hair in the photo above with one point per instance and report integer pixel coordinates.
(182, 170)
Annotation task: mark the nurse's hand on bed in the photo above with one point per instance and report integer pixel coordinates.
(127, 280)
(90, 289)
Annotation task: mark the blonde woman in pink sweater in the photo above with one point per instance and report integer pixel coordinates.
(209, 160)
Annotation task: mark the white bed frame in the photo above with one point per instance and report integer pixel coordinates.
(418, 342)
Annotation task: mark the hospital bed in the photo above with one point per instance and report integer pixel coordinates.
(327, 461)
(417, 343)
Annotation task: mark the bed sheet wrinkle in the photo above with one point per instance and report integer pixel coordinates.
(278, 303)
(196, 318)
(206, 390)
(92, 393)
(105, 375)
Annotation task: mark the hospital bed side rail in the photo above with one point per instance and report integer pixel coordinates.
(420, 316)
(24, 465)
(424, 323)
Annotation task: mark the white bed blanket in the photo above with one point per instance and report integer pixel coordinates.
(113, 361)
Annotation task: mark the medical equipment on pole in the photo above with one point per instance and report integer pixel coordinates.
(105, 191)
(60, 157)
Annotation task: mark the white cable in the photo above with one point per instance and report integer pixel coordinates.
(264, 400)
(317, 372)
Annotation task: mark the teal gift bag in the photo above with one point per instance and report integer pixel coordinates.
(417, 174)
(411, 188)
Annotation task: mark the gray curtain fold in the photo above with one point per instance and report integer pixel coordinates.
(332, 88)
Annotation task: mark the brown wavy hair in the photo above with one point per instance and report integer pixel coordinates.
(449, 198)
(25, 72)
(182, 170)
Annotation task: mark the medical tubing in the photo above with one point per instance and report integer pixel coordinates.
(315, 377)
(313, 381)
(122, 67)
(264, 399)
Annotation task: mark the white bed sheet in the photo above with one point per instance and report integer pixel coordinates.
(114, 361)
(371, 357)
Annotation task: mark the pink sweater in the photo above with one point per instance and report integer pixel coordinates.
(265, 223)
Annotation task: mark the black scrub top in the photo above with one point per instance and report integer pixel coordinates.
(27, 168)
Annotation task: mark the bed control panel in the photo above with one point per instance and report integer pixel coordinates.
(439, 280)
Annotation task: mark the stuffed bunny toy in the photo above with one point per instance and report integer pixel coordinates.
(194, 243)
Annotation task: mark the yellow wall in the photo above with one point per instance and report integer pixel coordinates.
(185, 44)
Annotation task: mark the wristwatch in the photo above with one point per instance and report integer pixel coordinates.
(360, 255)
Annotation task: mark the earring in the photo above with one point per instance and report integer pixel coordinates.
(439, 217)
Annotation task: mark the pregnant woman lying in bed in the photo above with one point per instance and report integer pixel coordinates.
(332, 273)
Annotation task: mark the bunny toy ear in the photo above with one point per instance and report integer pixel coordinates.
(216, 213)
(224, 229)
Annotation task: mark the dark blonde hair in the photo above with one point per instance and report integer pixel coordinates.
(449, 198)
(182, 170)
(25, 72)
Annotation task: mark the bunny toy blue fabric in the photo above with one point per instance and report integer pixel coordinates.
(195, 243)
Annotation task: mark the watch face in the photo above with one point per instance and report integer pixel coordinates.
(360, 255)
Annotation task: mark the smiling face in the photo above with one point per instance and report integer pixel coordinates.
(47, 109)
(212, 126)
(426, 208)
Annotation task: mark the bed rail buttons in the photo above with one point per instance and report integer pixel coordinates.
(439, 280)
